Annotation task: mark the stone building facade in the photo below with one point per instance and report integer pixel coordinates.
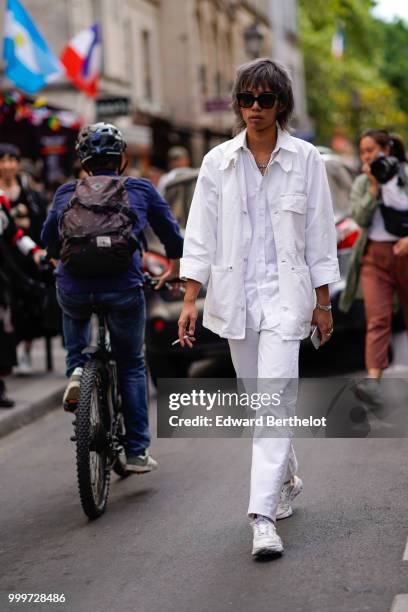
(168, 65)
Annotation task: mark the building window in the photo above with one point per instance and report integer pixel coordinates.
(97, 18)
(218, 83)
(229, 74)
(128, 51)
(96, 10)
(115, 12)
(202, 75)
(147, 67)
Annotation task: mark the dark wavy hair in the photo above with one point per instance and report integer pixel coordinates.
(384, 139)
(271, 76)
(6, 148)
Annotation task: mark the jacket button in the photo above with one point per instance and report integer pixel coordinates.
(244, 212)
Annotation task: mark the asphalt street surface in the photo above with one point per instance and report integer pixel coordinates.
(178, 539)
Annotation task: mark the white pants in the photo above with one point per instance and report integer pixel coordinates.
(265, 355)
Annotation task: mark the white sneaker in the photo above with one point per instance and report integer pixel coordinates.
(141, 464)
(266, 541)
(71, 395)
(24, 367)
(288, 494)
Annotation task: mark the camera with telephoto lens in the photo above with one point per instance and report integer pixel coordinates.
(384, 168)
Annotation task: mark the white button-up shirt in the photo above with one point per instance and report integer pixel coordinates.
(217, 239)
(261, 275)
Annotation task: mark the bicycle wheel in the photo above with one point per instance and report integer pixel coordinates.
(92, 449)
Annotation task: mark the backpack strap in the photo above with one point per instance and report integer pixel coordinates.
(141, 236)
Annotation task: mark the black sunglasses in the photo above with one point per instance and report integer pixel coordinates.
(265, 100)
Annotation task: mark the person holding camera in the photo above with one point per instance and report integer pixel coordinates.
(379, 200)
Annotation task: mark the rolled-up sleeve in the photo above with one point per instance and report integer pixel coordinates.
(363, 205)
(201, 230)
(321, 240)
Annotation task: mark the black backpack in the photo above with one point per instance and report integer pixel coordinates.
(97, 228)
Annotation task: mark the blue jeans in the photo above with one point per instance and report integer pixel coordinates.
(126, 318)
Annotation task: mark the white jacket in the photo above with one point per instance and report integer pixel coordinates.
(218, 234)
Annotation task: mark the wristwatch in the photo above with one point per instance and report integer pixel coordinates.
(322, 307)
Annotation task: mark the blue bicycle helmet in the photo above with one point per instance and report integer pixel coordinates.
(99, 139)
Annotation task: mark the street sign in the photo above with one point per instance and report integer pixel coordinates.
(112, 107)
(140, 135)
(217, 105)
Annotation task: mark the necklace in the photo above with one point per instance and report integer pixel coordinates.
(262, 166)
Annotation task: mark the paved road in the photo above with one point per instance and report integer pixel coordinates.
(178, 539)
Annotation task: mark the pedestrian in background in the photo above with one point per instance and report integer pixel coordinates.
(28, 209)
(153, 175)
(261, 231)
(178, 161)
(379, 200)
(10, 237)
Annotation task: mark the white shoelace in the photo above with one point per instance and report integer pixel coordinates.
(264, 527)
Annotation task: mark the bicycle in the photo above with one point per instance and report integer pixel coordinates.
(99, 424)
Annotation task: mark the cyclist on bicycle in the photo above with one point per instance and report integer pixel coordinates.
(101, 148)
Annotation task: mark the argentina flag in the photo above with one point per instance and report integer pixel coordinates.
(29, 62)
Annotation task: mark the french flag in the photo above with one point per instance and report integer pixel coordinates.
(82, 60)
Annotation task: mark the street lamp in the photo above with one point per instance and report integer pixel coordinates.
(253, 40)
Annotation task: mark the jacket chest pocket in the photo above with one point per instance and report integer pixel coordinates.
(292, 221)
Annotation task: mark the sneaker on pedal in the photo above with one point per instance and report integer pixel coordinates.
(266, 540)
(288, 493)
(141, 464)
(71, 395)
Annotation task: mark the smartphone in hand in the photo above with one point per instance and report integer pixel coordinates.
(315, 337)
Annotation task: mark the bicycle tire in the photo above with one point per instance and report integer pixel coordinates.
(93, 503)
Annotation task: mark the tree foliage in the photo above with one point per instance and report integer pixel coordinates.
(368, 86)
(395, 59)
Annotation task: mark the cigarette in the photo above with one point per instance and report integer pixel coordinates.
(177, 341)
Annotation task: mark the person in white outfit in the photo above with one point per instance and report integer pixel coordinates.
(261, 233)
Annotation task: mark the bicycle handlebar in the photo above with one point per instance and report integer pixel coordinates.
(150, 282)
